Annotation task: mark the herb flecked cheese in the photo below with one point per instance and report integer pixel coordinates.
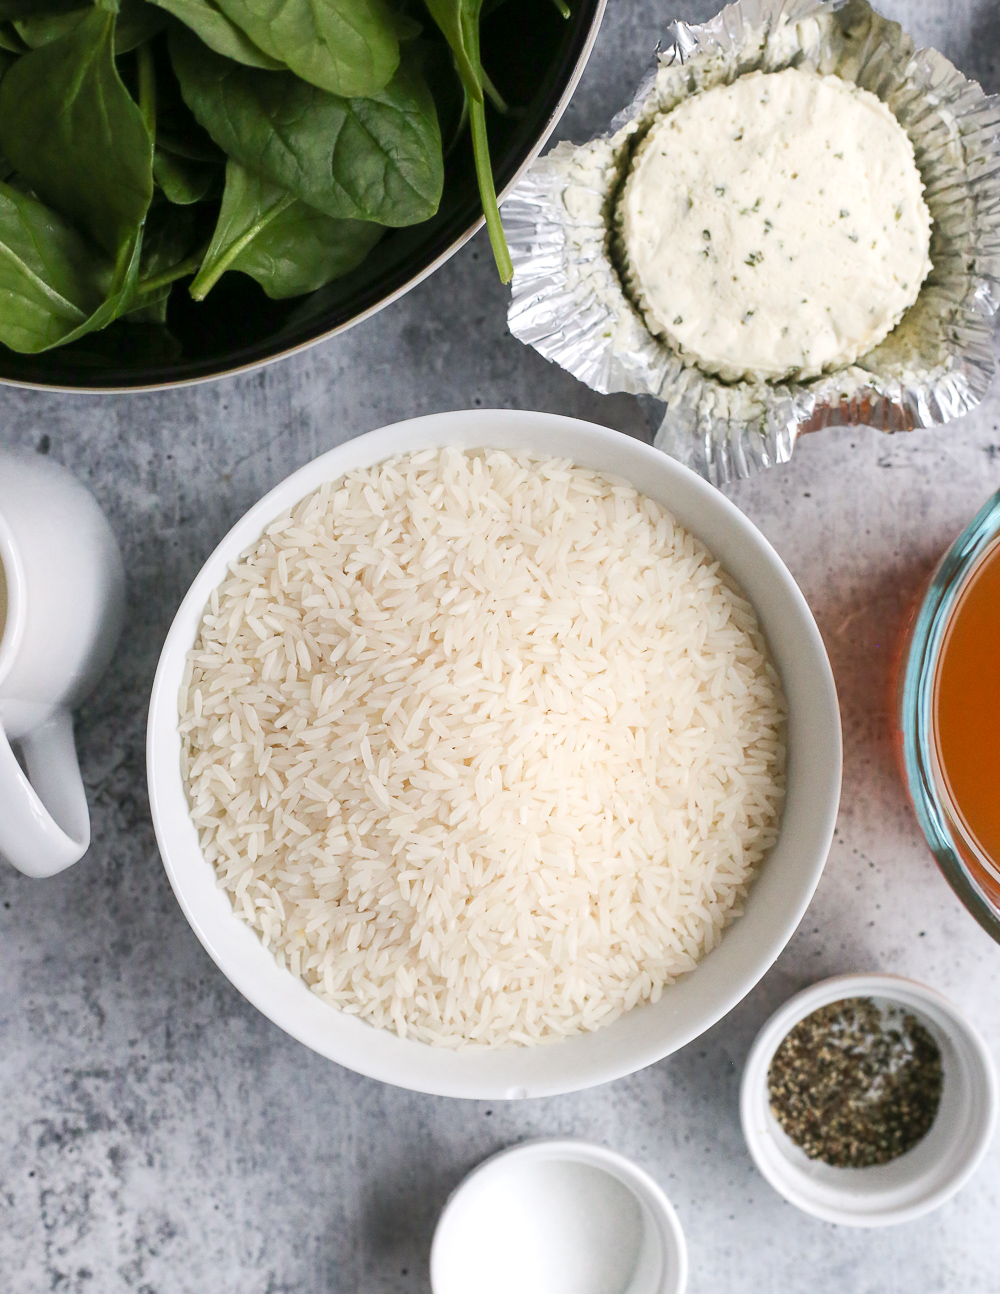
(776, 227)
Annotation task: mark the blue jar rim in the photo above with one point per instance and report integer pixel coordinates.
(916, 708)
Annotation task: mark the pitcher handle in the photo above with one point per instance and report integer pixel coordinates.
(44, 820)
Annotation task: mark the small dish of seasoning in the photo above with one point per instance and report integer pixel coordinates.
(868, 1100)
(558, 1217)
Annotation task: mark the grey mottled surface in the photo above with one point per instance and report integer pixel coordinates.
(159, 1136)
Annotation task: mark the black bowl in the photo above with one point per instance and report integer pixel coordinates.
(237, 326)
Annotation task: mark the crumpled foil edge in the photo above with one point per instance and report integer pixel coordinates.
(569, 304)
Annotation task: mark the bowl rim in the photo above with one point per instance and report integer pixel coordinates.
(250, 366)
(742, 957)
(906, 992)
(646, 1189)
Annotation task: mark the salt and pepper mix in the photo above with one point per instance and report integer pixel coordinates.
(856, 1083)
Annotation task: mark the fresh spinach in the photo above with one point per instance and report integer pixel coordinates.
(459, 24)
(51, 99)
(458, 19)
(177, 131)
(169, 238)
(183, 180)
(66, 92)
(181, 144)
(287, 246)
(249, 204)
(349, 47)
(219, 32)
(302, 250)
(137, 22)
(10, 40)
(111, 171)
(151, 307)
(376, 159)
(450, 100)
(52, 280)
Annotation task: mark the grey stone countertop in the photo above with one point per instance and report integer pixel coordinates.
(158, 1135)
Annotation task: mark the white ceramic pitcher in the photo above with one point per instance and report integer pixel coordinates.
(62, 581)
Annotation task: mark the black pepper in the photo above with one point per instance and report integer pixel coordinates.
(856, 1084)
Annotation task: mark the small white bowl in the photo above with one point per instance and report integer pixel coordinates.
(777, 899)
(558, 1217)
(918, 1181)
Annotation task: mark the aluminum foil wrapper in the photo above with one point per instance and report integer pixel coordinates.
(937, 364)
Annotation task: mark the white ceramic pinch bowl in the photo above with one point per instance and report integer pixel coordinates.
(918, 1181)
(777, 900)
(558, 1217)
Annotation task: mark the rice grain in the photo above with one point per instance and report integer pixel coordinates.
(485, 746)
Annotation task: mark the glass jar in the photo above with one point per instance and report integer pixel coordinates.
(969, 870)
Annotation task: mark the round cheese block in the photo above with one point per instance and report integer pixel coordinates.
(775, 227)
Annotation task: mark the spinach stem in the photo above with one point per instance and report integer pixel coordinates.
(481, 152)
(493, 94)
(487, 191)
(563, 8)
(147, 88)
(210, 275)
(179, 271)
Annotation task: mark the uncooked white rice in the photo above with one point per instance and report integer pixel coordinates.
(485, 746)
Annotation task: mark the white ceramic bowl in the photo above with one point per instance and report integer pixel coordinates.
(779, 896)
(915, 1183)
(558, 1217)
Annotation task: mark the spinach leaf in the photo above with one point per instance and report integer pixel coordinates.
(152, 308)
(180, 144)
(137, 22)
(301, 250)
(287, 246)
(456, 19)
(183, 180)
(67, 92)
(52, 279)
(170, 235)
(177, 131)
(249, 204)
(10, 40)
(437, 66)
(348, 47)
(44, 28)
(376, 159)
(219, 32)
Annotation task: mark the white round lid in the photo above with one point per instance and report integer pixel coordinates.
(558, 1217)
